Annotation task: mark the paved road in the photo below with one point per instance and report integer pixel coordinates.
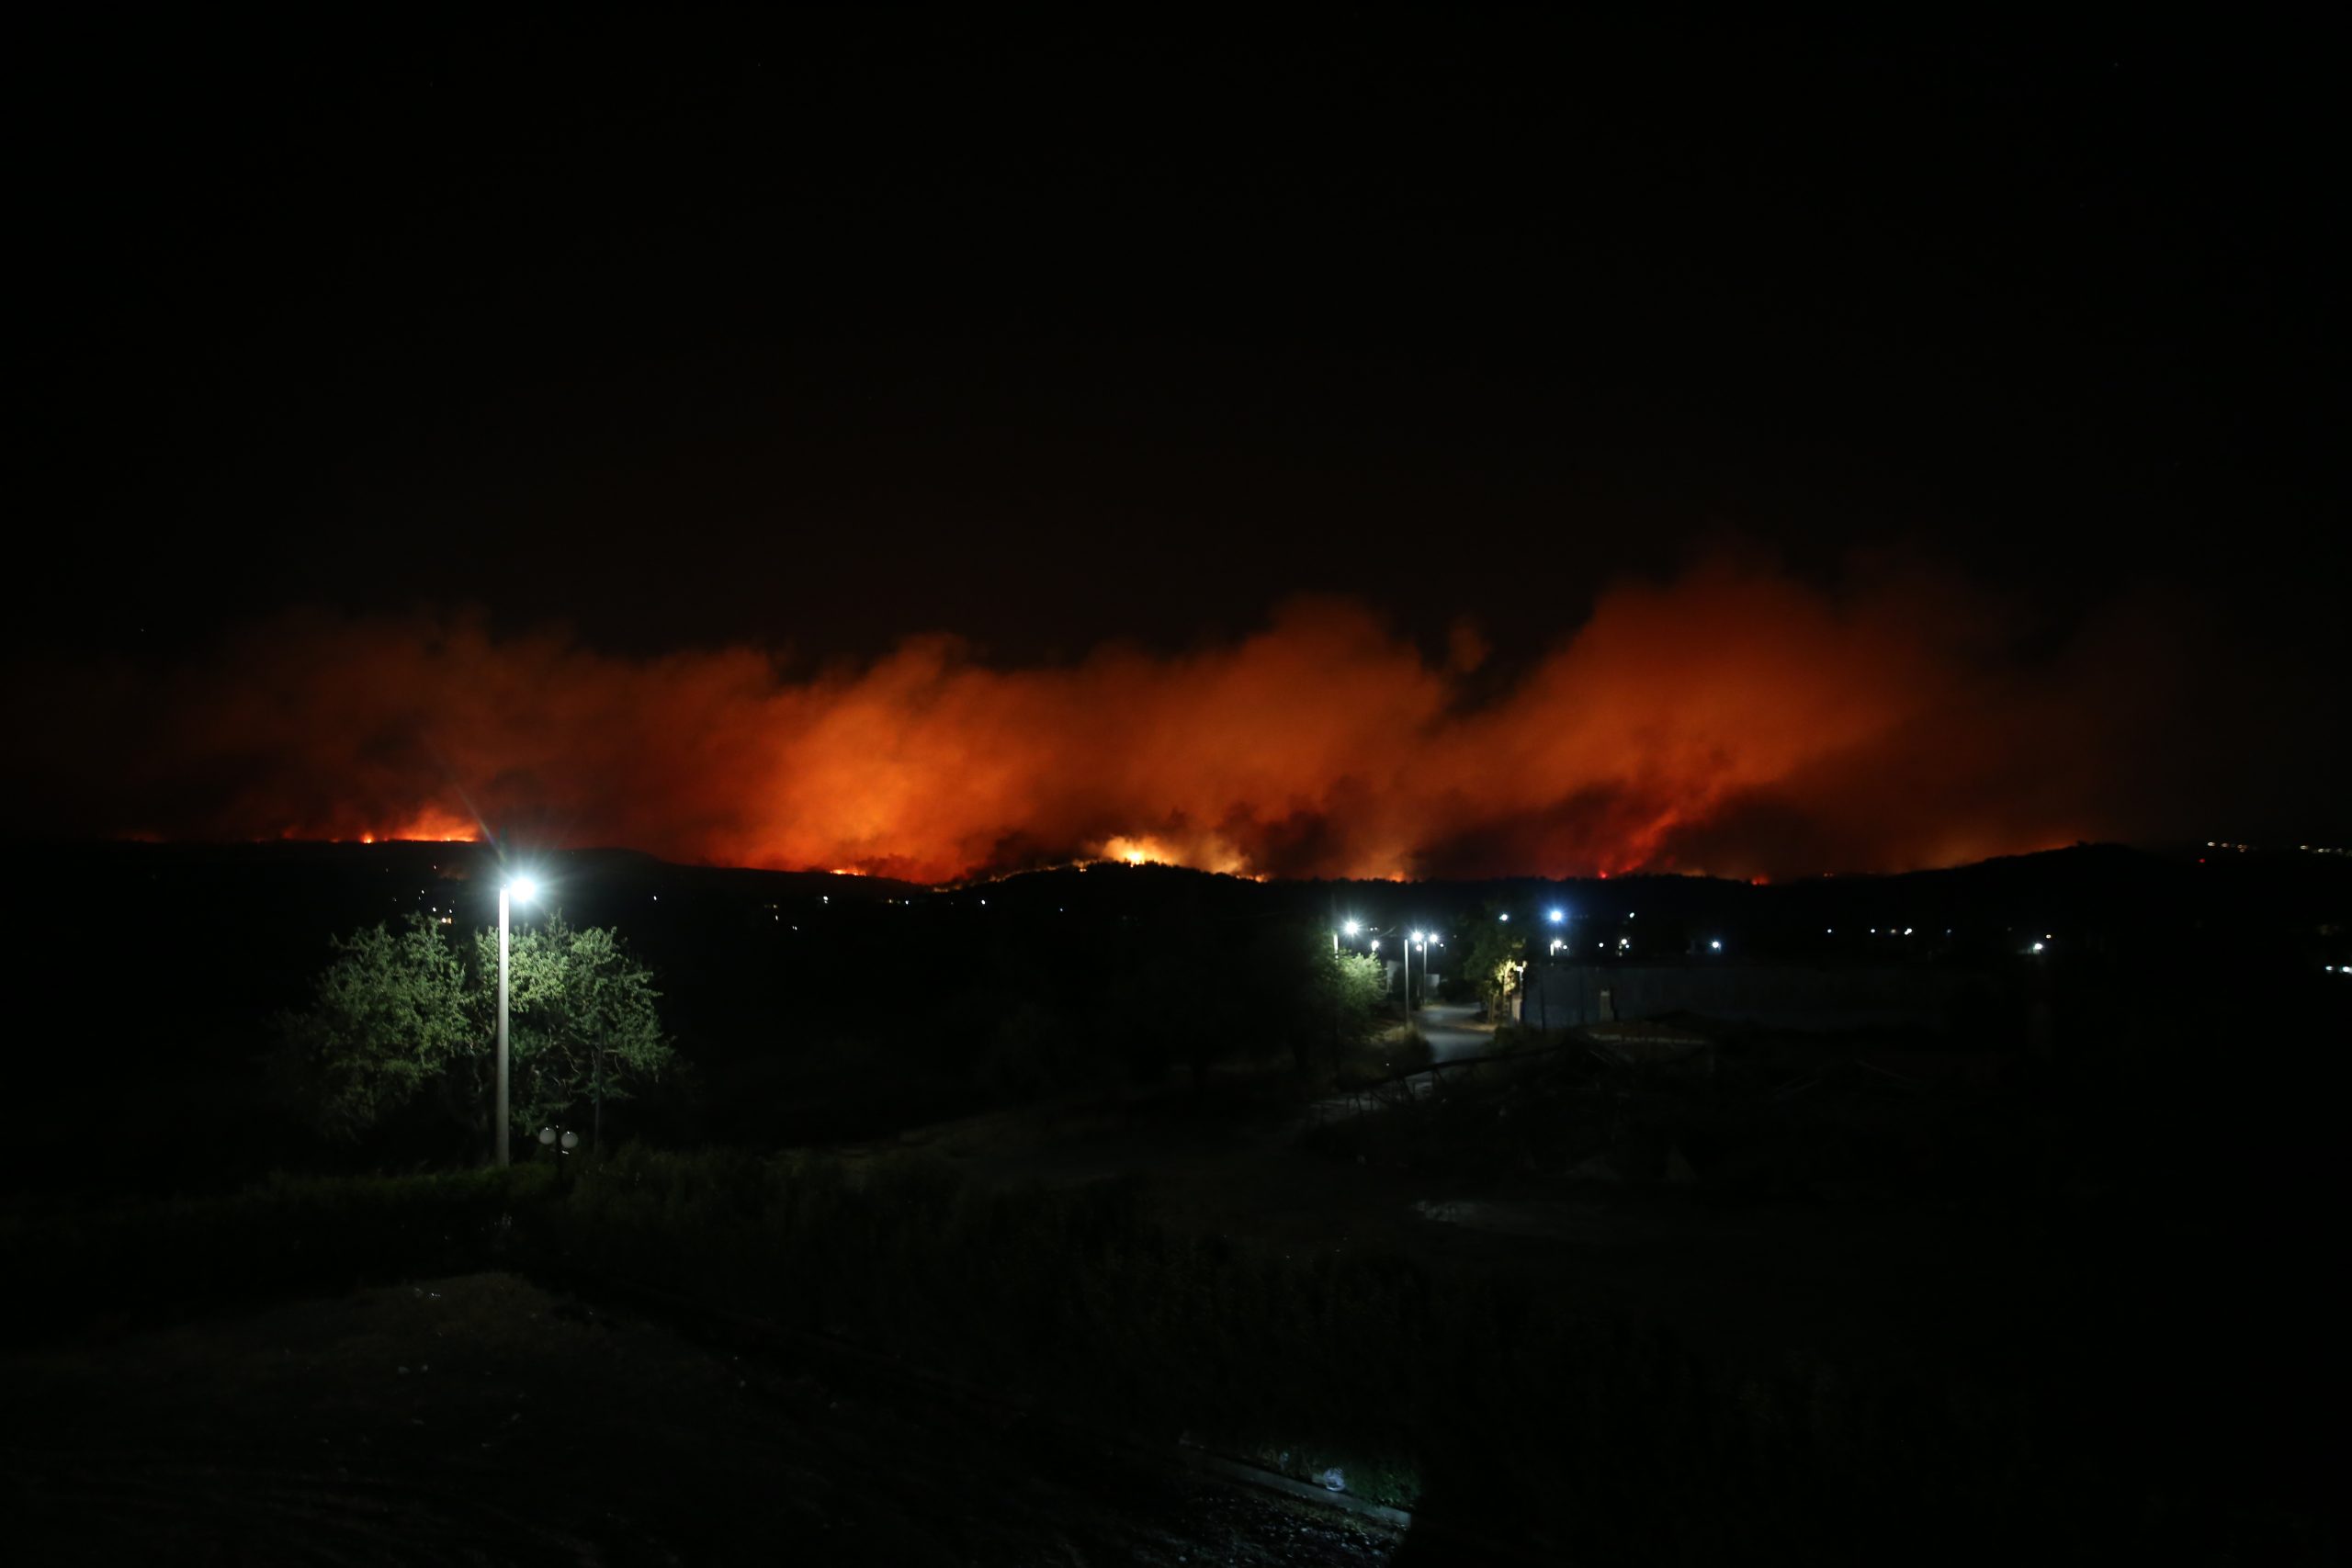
(1452, 1035)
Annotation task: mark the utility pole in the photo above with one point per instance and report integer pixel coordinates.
(500, 1112)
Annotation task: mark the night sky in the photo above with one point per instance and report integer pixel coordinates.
(1740, 453)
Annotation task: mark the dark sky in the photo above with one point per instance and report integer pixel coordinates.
(818, 337)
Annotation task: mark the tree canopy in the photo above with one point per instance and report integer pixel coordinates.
(1491, 961)
(388, 1018)
(583, 1026)
(404, 1020)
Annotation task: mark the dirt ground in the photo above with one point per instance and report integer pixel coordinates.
(481, 1419)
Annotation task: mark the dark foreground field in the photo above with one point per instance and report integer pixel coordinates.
(892, 1359)
(480, 1418)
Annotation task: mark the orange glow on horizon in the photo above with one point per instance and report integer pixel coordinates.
(429, 825)
(1736, 720)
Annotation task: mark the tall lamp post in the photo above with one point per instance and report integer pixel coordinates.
(524, 889)
(1417, 939)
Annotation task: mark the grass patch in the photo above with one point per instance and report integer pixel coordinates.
(1377, 1061)
(131, 1264)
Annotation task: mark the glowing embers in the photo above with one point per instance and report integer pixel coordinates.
(431, 825)
(1201, 851)
(1133, 852)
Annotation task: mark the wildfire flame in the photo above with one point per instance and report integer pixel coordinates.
(433, 825)
(1736, 721)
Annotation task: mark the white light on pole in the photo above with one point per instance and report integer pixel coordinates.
(525, 890)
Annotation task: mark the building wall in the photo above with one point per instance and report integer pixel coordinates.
(1564, 996)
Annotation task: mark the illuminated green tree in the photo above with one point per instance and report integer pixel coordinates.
(1491, 961)
(1351, 990)
(387, 1020)
(585, 1025)
(404, 1020)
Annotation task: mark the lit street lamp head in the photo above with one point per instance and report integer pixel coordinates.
(523, 889)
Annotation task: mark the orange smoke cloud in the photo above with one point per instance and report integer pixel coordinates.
(1735, 721)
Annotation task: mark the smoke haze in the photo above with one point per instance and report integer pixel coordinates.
(1737, 721)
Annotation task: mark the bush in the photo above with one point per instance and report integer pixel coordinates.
(1380, 1061)
(154, 1262)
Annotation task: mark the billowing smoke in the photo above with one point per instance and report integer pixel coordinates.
(1737, 721)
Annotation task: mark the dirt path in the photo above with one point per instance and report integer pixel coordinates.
(1452, 1030)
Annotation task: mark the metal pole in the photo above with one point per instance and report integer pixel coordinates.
(502, 1027)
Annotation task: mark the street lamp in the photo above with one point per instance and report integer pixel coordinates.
(1419, 940)
(524, 889)
(547, 1140)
